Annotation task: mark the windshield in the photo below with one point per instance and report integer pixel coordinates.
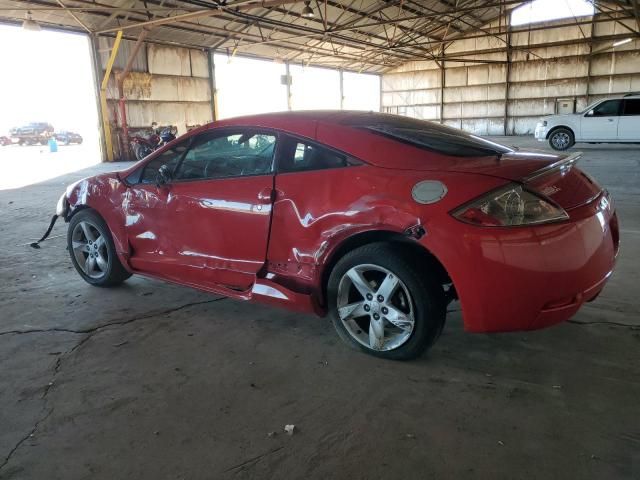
(431, 136)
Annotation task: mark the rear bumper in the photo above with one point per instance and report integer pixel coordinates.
(530, 278)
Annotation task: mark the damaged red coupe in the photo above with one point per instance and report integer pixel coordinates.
(378, 220)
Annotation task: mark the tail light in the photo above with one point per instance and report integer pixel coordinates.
(512, 205)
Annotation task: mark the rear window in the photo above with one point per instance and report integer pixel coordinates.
(430, 136)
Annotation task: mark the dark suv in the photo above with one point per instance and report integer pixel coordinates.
(33, 128)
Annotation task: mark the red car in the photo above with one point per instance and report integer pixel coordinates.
(378, 220)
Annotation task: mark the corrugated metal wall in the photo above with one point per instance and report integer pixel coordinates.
(167, 85)
(541, 73)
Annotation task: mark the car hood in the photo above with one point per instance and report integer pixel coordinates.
(561, 117)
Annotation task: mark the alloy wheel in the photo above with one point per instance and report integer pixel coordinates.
(560, 140)
(375, 307)
(90, 249)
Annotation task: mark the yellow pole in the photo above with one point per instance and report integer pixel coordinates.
(103, 97)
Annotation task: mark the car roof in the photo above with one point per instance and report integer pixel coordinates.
(330, 116)
(305, 122)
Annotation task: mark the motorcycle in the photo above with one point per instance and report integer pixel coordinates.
(168, 134)
(144, 145)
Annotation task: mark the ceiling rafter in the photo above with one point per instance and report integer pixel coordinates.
(368, 35)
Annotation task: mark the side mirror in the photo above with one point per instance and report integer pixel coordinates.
(164, 176)
(590, 113)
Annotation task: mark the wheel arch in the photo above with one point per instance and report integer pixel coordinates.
(553, 129)
(78, 208)
(418, 252)
(121, 243)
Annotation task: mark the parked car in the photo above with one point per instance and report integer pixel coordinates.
(612, 120)
(68, 138)
(33, 128)
(378, 220)
(4, 141)
(34, 133)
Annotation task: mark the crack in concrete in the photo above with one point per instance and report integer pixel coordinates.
(253, 460)
(89, 332)
(25, 438)
(108, 324)
(604, 322)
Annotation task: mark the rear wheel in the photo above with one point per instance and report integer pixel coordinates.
(142, 151)
(382, 304)
(561, 139)
(92, 250)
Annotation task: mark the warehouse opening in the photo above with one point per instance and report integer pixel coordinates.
(49, 123)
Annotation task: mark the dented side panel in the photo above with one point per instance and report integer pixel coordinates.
(104, 194)
(316, 211)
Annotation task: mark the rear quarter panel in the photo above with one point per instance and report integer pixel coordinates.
(316, 211)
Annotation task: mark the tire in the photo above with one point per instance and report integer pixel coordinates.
(142, 151)
(416, 305)
(561, 139)
(92, 250)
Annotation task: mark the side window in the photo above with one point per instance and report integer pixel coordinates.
(170, 158)
(298, 156)
(220, 155)
(632, 107)
(610, 108)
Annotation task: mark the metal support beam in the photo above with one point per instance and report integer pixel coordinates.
(74, 16)
(636, 12)
(593, 25)
(103, 98)
(124, 138)
(288, 74)
(341, 90)
(212, 85)
(97, 73)
(442, 82)
(209, 12)
(507, 80)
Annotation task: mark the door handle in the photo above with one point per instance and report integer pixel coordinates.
(265, 196)
(610, 119)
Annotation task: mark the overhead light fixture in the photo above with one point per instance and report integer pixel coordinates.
(307, 11)
(621, 42)
(30, 25)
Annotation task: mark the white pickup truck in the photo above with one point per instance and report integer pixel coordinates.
(612, 120)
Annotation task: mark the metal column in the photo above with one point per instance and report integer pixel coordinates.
(212, 85)
(97, 73)
(507, 78)
(103, 98)
(341, 90)
(288, 73)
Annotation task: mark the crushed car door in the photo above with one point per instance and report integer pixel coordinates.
(219, 207)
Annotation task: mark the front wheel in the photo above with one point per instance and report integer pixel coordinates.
(381, 303)
(92, 250)
(561, 139)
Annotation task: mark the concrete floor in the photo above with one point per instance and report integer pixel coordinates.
(151, 380)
